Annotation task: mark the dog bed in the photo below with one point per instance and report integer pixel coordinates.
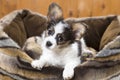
(15, 28)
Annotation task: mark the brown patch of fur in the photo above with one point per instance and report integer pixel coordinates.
(78, 30)
(55, 12)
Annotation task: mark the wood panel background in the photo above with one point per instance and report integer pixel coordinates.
(71, 8)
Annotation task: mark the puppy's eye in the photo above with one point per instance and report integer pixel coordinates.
(50, 32)
(60, 38)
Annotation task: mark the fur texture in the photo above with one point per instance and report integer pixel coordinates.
(60, 44)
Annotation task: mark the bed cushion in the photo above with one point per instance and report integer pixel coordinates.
(19, 25)
(111, 32)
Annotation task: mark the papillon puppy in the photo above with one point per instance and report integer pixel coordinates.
(62, 44)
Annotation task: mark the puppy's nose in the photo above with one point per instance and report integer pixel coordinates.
(48, 44)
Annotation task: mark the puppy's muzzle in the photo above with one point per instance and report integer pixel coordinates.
(48, 44)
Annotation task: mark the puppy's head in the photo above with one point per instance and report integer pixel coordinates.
(59, 33)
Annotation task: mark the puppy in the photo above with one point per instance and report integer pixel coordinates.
(62, 44)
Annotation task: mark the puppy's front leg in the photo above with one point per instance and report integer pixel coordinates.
(68, 72)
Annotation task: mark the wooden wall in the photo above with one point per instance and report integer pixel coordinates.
(71, 8)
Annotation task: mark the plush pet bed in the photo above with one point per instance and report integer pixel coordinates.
(15, 28)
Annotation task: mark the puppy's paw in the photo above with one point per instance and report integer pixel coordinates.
(37, 64)
(68, 74)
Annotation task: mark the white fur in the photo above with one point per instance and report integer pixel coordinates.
(59, 28)
(66, 58)
(52, 40)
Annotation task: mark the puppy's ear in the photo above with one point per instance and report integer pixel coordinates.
(54, 12)
(79, 30)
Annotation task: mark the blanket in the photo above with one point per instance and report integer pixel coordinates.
(15, 28)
